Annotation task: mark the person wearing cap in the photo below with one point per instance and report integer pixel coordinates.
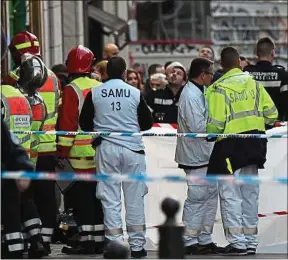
(164, 102)
(192, 155)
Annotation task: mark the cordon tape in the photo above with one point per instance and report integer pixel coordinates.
(71, 176)
(192, 135)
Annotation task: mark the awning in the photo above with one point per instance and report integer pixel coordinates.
(114, 25)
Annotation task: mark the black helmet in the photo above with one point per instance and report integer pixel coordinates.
(32, 74)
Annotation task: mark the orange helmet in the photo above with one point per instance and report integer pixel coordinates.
(24, 42)
(79, 60)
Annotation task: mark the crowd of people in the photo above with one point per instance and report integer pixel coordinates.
(89, 95)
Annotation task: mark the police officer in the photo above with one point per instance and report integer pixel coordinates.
(118, 107)
(237, 104)
(32, 75)
(23, 43)
(78, 151)
(164, 102)
(193, 156)
(274, 78)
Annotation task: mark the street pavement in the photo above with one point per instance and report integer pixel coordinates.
(56, 254)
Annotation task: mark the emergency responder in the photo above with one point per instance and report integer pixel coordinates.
(23, 43)
(116, 106)
(237, 104)
(13, 158)
(110, 50)
(32, 75)
(274, 78)
(193, 155)
(78, 150)
(164, 102)
(16, 114)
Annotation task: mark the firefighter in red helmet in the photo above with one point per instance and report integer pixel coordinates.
(27, 43)
(77, 153)
(23, 42)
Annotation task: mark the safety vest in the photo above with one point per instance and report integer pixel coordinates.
(38, 119)
(238, 104)
(81, 144)
(51, 95)
(17, 114)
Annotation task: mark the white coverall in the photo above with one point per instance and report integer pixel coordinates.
(193, 153)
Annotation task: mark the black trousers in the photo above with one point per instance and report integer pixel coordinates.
(11, 218)
(44, 195)
(29, 215)
(88, 213)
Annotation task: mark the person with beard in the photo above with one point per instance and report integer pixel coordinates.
(164, 102)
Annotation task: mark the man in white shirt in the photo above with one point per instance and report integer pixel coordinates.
(192, 155)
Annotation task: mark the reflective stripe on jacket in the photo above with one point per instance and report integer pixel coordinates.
(51, 94)
(238, 105)
(38, 119)
(17, 114)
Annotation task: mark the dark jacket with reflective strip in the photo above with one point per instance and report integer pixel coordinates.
(275, 81)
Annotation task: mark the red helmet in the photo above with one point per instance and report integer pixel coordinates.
(24, 42)
(79, 60)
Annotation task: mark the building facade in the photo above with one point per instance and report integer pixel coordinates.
(147, 31)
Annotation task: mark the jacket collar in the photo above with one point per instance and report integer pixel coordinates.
(194, 86)
(230, 73)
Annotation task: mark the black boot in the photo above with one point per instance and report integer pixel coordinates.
(78, 250)
(47, 248)
(14, 255)
(139, 254)
(36, 250)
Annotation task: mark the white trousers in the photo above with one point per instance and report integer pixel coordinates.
(111, 158)
(239, 209)
(200, 209)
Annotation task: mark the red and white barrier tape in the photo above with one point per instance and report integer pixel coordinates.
(174, 126)
(171, 126)
(276, 213)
